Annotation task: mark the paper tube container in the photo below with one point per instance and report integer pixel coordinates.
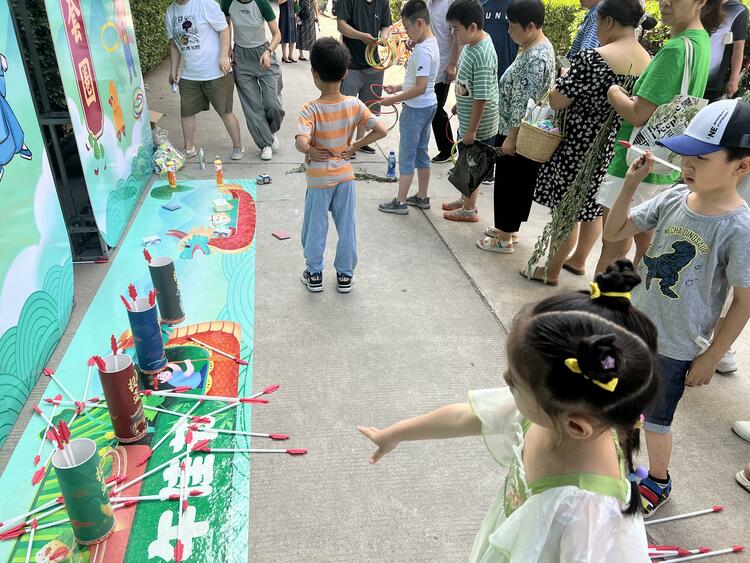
(164, 278)
(120, 385)
(149, 347)
(85, 494)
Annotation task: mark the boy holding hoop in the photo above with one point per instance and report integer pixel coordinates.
(419, 106)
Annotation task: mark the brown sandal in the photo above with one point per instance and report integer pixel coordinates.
(532, 277)
(573, 270)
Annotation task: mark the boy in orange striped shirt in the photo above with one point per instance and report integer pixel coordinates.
(326, 130)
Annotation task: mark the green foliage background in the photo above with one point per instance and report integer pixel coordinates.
(148, 20)
(563, 18)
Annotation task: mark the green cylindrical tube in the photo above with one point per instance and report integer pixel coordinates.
(164, 278)
(85, 494)
(120, 385)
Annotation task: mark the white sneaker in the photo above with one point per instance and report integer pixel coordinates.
(275, 145)
(266, 153)
(728, 363)
(742, 429)
(238, 153)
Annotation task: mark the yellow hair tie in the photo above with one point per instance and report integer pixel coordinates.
(596, 293)
(572, 365)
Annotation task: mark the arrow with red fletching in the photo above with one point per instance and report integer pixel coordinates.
(147, 255)
(132, 292)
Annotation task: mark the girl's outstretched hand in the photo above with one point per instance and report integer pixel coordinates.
(381, 439)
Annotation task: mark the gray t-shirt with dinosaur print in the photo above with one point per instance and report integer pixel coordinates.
(689, 268)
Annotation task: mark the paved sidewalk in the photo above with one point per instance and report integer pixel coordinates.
(427, 321)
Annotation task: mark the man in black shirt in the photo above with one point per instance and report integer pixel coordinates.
(360, 22)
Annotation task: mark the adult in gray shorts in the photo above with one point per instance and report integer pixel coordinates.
(256, 70)
(360, 22)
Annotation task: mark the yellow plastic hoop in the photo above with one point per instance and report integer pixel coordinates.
(116, 44)
(454, 151)
(391, 52)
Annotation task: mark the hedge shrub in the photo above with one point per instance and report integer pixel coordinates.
(148, 20)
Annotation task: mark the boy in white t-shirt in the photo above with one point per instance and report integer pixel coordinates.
(419, 106)
(199, 37)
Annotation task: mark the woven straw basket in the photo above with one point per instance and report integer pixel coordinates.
(537, 144)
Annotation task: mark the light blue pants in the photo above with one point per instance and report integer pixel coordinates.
(340, 201)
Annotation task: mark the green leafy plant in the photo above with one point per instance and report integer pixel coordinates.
(148, 21)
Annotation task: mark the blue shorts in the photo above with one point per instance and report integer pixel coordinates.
(660, 412)
(414, 127)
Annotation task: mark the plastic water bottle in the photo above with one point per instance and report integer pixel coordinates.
(391, 166)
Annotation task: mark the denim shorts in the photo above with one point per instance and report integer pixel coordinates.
(414, 127)
(660, 412)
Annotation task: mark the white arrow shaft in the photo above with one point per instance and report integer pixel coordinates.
(7, 523)
(62, 387)
(222, 409)
(44, 436)
(175, 426)
(680, 516)
(702, 555)
(235, 432)
(190, 397)
(31, 543)
(247, 451)
(149, 473)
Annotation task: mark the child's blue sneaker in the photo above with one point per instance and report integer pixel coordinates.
(654, 495)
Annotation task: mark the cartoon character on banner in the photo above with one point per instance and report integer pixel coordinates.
(121, 14)
(176, 376)
(119, 119)
(83, 66)
(11, 134)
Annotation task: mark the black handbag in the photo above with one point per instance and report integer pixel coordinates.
(473, 164)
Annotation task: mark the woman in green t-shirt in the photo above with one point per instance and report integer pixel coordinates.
(658, 85)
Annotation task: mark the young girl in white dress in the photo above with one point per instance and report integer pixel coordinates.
(581, 371)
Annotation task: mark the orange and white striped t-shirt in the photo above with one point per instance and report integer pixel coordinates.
(331, 125)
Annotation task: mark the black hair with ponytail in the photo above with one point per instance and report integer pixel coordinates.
(609, 339)
(625, 12)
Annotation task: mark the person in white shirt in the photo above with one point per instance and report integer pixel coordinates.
(256, 70)
(199, 37)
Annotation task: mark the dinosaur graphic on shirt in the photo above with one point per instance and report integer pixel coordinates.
(667, 266)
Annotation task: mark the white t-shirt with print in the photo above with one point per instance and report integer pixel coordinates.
(424, 61)
(195, 27)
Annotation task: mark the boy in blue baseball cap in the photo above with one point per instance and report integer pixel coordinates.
(699, 253)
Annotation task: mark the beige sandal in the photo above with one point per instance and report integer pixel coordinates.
(495, 233)
(492, 244)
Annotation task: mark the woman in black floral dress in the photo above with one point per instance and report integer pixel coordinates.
(583, 91)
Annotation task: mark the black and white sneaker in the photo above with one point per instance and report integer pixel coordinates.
(367, 149)
(344, 283)
(314, 282)
(441, 157)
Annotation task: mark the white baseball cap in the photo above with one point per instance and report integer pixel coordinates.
(721, 125)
